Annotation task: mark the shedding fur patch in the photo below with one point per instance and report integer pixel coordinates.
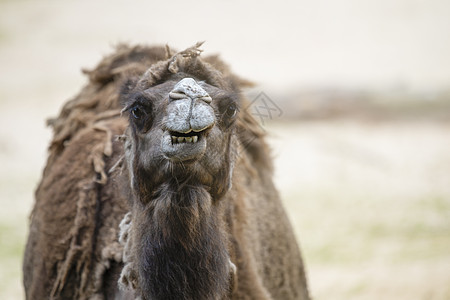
(128, 278)
(78, 259)
(79, 241)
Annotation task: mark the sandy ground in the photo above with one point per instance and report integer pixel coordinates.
(370, 202)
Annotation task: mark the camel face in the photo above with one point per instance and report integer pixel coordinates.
(183, 128)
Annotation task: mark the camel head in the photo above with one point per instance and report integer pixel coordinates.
(181, 127)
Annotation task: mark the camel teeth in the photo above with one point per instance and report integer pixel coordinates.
(183, 139)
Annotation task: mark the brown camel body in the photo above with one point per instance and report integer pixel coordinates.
(129, 206)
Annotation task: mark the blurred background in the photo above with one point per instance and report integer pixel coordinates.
(361, 137)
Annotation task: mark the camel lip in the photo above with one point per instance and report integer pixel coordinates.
(183, 147)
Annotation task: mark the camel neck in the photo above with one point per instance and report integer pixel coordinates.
(181, 245)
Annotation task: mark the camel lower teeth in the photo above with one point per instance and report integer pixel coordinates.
(182, 139)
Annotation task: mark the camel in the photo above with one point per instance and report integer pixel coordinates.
(158, 185)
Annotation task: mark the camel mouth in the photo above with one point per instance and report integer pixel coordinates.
(184, 147)
(188, 137)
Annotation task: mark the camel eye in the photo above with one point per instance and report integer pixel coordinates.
(137, 112)
(141, 116)
(231, 110)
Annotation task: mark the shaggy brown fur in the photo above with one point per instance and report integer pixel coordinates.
(213, 229)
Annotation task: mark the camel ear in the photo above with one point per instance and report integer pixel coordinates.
(242, 83)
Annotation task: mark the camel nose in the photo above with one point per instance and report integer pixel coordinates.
(189, 108)
(188, 87)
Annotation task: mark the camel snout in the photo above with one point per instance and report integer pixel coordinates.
(189, 108)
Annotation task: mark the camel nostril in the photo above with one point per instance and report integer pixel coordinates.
(176, 95)
(206, 99)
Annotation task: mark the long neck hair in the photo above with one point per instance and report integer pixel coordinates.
(180, 245)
